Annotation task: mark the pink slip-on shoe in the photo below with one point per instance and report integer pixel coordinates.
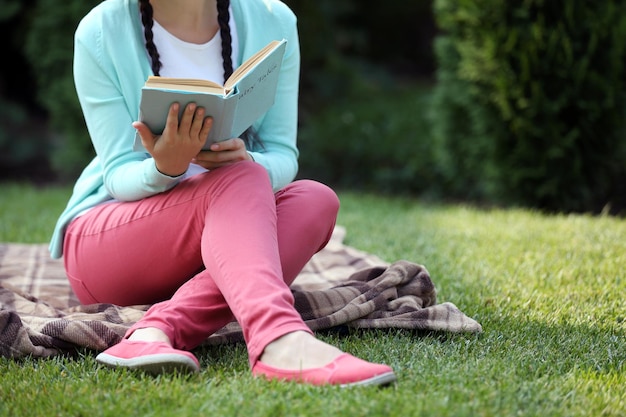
(344, 371)
(152, 357)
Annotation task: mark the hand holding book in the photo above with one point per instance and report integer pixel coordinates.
(181, 140)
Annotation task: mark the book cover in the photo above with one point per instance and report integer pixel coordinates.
(246, 96)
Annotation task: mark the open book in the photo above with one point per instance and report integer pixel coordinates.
(247, 94)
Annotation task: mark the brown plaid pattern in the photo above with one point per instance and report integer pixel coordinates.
(340, 286)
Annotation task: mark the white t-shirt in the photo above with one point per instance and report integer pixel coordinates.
(191, 60)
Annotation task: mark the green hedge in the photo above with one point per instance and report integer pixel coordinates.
(49, 46)
(23, 136)
(379, 140)
(530, 106)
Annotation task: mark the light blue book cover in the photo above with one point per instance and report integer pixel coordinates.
(245, 97)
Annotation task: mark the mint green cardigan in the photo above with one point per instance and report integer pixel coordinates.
(111, 66)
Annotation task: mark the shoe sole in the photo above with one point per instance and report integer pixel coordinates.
(380, 380)
(153, 364)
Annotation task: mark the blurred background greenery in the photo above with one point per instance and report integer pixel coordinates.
(497, 102)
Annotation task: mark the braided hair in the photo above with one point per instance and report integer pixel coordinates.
(223, 19)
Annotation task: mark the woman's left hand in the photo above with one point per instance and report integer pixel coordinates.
(223, 153)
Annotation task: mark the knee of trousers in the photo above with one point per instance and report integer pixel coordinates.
(317, 194)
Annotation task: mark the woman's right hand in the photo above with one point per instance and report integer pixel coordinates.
(180, 142)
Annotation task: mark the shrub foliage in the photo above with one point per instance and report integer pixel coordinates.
(49, 46)
(531, 101)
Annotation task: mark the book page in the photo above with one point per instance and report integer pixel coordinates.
(194, 84)
(250, 63)
(187, 84)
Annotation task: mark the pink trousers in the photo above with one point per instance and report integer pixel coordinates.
(219, 246)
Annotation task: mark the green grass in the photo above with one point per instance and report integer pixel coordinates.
(548, 290)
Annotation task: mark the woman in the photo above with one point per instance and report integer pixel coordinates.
(206, 237)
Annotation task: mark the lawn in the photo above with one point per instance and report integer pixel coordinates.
(547, 289)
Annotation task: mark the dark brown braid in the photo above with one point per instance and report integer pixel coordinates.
(148, 22)
(223, 19)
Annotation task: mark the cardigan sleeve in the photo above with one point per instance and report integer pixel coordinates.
(107, 105)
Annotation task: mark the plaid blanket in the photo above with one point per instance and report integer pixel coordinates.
(340, 286)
